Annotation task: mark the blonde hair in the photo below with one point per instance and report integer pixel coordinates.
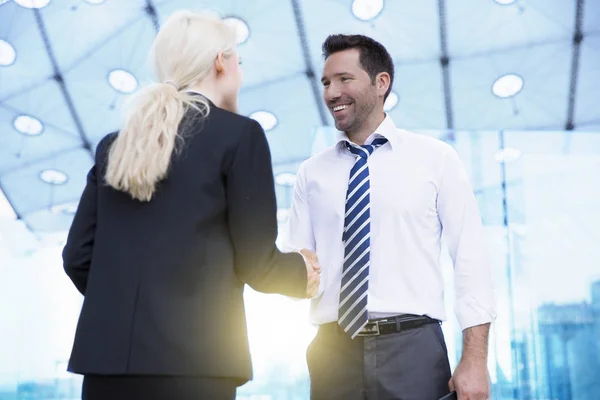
(183, 54)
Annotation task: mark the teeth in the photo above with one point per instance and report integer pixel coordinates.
(338, 108)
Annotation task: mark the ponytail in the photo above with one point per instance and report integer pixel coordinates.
(140, 156)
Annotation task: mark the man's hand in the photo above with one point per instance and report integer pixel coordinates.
(470, 379)
(313, 271)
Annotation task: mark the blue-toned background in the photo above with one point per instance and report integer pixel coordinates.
(512, 84)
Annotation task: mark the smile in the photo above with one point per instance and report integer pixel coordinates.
(340, 108)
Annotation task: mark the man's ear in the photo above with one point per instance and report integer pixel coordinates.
(219, 63)
(382, 81)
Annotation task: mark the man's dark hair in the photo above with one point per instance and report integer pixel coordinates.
(373, 57)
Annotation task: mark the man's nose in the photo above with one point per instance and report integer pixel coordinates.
(332, 93)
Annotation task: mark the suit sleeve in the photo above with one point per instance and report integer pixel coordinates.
(252, 218)
(77, 253)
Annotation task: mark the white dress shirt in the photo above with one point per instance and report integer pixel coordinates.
(419, 187)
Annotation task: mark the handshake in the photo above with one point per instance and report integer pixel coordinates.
(313, 272)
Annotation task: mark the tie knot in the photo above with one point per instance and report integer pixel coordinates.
(366, 150)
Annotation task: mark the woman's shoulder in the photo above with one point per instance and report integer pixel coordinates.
(224, 116)
(103, 147)
(220, 123)
(105, 142)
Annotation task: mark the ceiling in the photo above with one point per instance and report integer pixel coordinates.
(56, 63)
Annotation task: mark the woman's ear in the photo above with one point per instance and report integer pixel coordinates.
(219, 63)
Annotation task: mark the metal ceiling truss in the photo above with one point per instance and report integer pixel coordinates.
(152, 14)
(445, 64)
(58, 77)
(577, 39)
(315, 83)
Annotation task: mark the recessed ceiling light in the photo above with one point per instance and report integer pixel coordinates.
(7, 53)
(285, 179)
(28, 125)
(95, 1)
(32, 3)
(507, 85)
(266, 119)
(505, 2)
(242, 32)
(508, 154)
(122, 81)
(366, 10)
(390, 102)
(53, 176)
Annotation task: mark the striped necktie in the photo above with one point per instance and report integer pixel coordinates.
(352, 311)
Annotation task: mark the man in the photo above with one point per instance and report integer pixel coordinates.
(373, 207)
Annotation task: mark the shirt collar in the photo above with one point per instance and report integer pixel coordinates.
(193, 92)
(387, 129)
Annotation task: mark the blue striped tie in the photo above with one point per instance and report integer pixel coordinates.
(352, 311)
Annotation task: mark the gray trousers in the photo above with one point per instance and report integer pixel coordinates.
(410, 365)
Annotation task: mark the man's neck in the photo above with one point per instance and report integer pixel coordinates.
(360, 135)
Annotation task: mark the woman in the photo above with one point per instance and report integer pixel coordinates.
(177, 215)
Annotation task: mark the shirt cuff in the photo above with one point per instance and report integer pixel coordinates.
(471, 312)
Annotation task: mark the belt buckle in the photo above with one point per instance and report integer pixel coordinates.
(372, 330)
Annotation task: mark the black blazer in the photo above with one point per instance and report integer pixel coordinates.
(163, 280)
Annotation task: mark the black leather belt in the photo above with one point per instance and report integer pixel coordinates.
(395, 324)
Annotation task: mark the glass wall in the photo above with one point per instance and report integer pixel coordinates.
(538, 193)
